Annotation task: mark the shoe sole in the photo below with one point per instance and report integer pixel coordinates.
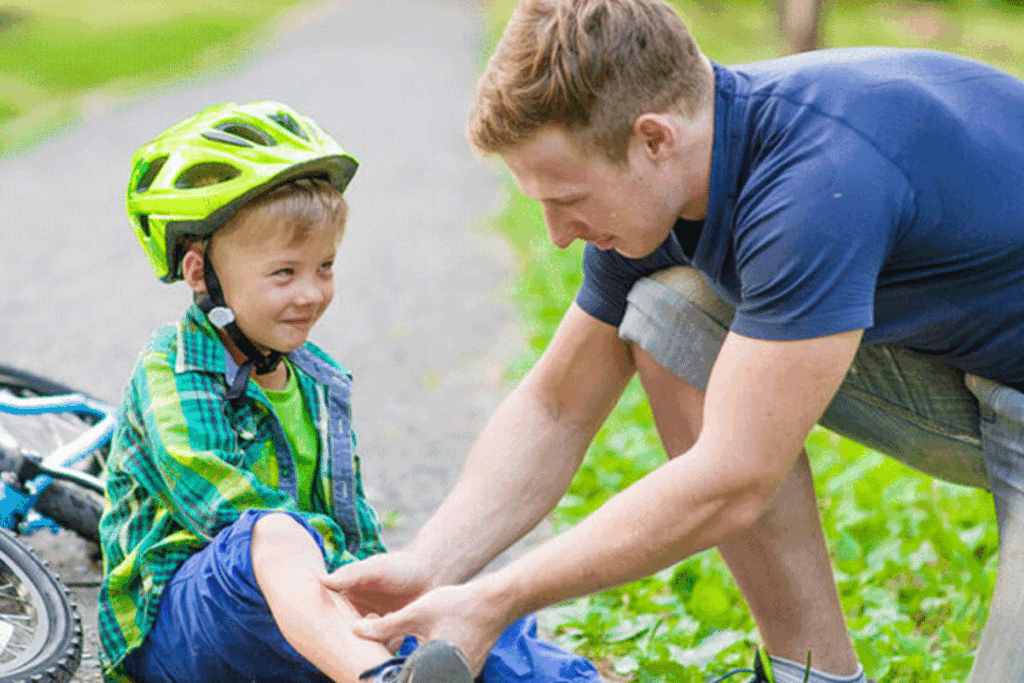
(436, 661)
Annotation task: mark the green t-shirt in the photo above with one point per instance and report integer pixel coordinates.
(301, 433)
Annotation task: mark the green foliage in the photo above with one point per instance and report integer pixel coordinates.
(914, 557)
(58, 60)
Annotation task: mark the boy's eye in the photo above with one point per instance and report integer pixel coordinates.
(283, 272)
(327, 266)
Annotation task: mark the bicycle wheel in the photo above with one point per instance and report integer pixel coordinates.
(40, 630)
(71, 506)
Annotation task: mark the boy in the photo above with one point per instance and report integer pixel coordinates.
(230, 499)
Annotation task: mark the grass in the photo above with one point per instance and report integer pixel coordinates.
(58, 60)
(914, 557)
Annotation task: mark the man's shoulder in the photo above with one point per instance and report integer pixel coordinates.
(846, 67)
(884, 94)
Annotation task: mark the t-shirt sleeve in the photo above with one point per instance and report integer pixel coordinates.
(812, 237)
(608, 276)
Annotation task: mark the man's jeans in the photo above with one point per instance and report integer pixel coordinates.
(958, 427)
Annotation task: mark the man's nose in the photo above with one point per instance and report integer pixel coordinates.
(561, 231)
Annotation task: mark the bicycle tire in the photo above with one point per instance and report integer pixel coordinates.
(40, 629)
(69, 505)
(73, 508)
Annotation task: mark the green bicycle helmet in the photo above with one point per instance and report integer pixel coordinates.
(189, 181)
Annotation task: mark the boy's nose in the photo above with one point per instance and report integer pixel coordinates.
(312, 293)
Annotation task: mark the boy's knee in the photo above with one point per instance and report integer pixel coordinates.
(279, 532)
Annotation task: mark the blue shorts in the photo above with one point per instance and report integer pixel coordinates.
(215, 626)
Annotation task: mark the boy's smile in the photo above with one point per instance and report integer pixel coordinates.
(277, 285)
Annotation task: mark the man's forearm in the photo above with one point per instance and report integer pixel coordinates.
(516, 473)
(762, 400)
(680, 509)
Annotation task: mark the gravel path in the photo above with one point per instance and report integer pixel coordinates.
(421, 315)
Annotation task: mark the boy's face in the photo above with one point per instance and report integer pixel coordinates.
(277, 286)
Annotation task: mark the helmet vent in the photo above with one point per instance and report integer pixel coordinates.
(221, 136)
(286, 121)
(144, 224)
(149, 174)
(203, 175)
(249, 132)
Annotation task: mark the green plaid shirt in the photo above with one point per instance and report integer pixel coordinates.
(179, 471)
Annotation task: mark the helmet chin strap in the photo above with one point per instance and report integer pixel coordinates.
(222, 317)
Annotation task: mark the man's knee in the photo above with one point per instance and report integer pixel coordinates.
(678, 321)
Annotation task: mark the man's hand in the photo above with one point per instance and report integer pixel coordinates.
(383, 583)
(459, 614)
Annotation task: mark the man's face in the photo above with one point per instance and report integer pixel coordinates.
(630, 208)
(277, 286)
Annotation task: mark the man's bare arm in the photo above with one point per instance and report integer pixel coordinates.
(522, 463)
(762, 400)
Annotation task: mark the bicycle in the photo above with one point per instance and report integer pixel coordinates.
(53, 442)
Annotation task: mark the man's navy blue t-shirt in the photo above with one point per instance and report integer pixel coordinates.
(870, 189)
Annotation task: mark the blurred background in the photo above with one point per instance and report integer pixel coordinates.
(447, 286)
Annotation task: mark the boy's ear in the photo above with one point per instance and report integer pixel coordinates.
(192, 269)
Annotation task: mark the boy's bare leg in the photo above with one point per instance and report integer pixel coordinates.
(314, 620)
(781, 564)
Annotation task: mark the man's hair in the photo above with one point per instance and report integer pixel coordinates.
(300, 207)
(589, 66)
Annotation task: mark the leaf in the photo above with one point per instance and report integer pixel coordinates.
(709, 649)
(708, 601)
(632, 628)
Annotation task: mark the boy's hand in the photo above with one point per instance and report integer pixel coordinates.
(457, 614)
(383, 583)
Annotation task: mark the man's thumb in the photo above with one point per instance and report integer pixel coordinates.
(348, 576)
(375, 628)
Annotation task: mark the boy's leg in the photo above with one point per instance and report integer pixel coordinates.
(215, 626)
(289, 568)
(1000, 657)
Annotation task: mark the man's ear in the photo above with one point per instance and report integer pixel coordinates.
(656, 133)
(192, 269)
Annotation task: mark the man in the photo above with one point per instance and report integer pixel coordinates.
(833, 237)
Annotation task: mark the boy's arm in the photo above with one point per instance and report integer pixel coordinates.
(516, 473)
(195, 469)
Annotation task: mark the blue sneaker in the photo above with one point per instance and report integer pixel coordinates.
(436, 661)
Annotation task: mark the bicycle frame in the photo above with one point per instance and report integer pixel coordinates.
(17, 495)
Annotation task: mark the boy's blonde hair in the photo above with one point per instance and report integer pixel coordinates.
(300, 207)
(590, 66)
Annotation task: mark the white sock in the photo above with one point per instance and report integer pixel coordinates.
(786, 671)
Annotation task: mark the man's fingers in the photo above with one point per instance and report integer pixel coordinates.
(351, 575)
(380, 629)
